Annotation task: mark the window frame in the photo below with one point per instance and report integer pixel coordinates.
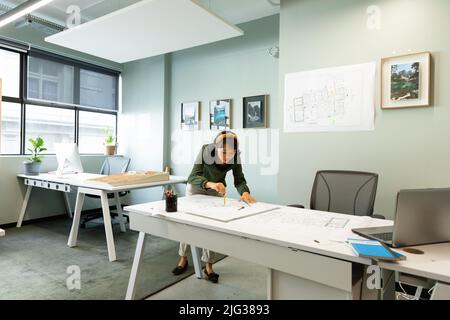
(23, 99)
(77, 125)
(18, 100)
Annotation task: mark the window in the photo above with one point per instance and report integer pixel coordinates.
(92, 133)
(10, 73)
(98, 90)
(64, 100)
(54, 125)
(10, 128)
(50, 81)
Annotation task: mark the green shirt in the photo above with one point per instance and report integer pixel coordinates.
(205, 170)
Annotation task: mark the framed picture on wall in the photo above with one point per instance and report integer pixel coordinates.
(190, 115)
(255, 111)
(405, 81)
(220, 114)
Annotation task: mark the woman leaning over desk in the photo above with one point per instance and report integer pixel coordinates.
(208, 178)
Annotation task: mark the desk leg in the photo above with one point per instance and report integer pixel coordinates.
(441, 292)
(387, 291)
(197, 261)
(120, 212)
(67, 203)
(140, 247)
(269, 283)
(76, 220)
(108, 227)
(24, 206)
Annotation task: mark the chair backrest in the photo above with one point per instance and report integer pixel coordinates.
(115, 164)
(348, 192)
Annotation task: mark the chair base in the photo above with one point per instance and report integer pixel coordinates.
(97, 214)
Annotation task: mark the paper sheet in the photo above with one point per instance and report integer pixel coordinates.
(306, 224)
(214, 208)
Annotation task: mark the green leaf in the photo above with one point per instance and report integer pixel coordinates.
(39, 142)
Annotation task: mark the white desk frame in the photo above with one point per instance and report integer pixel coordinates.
(433, 264)
(296, 270)
(52, 182)
(44, 183)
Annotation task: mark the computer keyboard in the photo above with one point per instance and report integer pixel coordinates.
(383, 236)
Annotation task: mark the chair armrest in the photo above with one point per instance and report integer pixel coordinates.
(297, 206)
(378, 216)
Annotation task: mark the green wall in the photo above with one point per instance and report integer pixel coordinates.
(234, 69)
(409, 147)
(141, 129)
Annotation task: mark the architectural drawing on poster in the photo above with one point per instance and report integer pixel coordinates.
(215, 209)
(333, 99)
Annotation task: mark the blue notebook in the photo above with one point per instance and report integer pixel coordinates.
(374, 250)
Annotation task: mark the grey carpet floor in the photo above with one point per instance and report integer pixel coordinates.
(34, 262)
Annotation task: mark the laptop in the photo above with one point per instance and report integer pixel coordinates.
(422, 217)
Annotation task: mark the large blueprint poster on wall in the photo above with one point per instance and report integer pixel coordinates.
(332, 99)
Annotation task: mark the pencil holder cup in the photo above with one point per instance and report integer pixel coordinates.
(172, 203)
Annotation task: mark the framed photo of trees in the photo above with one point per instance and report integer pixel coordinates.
(406, 81)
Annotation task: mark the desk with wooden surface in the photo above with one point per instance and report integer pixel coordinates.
(84, 185)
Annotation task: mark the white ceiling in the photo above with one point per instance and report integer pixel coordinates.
(234, 11)
(146, 29)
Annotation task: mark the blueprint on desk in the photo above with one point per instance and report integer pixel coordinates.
(215, 209)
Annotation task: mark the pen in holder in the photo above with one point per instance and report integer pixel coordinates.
(171, 201)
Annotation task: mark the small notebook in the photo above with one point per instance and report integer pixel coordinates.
(374, 250)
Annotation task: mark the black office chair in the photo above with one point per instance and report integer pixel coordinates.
(347, 192)
(111, 165)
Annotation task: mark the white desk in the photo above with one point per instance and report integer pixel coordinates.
(79, 181)
(434, 264)
(304, 262)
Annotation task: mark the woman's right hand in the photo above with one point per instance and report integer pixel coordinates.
(219, 187)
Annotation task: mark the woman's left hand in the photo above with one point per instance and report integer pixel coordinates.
(247, 197)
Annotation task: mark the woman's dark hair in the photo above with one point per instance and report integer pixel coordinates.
(226, 139)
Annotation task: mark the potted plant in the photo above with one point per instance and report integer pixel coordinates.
(33, 164)
(110, 145)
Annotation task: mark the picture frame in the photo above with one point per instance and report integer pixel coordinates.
(220, 114)
(255, 112)
(405, 81)
(190, 115)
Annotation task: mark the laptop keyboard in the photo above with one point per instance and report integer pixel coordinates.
(383, 236)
